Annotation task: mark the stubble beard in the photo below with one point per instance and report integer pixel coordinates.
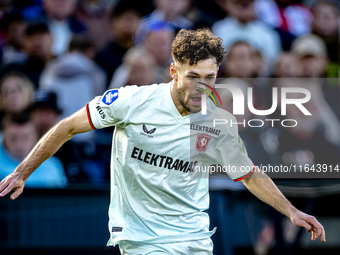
(180, 97)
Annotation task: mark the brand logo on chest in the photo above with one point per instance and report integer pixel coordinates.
(147, 132)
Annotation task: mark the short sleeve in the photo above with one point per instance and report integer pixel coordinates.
(234, 157)
(110, 109)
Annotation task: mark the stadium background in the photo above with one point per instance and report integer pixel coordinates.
(56, 55)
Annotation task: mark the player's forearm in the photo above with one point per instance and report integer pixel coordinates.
(265, 189)
(45, 148)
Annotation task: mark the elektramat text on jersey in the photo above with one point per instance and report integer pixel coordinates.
(163, 161)
(209, 130)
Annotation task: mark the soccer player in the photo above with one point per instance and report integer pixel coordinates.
(158, 196)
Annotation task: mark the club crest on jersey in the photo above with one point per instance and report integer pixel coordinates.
(110, 96)
(202, 142)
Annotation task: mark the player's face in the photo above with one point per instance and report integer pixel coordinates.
(188, 80)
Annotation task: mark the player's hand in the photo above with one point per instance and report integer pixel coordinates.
(310, 223)
(14, 181)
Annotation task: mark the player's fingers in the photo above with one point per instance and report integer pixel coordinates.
(313, 235)
(317, 225)
(2, 187)
(3, 184)
(307, 226)
(17, 193)
(6, 189)
(319, 228)
(323, 236)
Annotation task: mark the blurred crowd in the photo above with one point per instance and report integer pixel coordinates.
(57, 55)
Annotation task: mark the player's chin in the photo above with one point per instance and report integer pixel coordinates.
(195, 108)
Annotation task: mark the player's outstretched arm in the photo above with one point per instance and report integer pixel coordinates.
(265, 189)
(45, 148)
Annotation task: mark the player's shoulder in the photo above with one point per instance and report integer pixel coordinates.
(219, 113)
(132, 95)
(147, 92)
(221, 118)
(224, 114)
(153, 88)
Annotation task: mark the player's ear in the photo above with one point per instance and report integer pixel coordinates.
(173, 71)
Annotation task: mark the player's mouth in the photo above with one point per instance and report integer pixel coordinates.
(196, 100)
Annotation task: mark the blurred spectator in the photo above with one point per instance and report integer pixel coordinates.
(45, 113)
(258, 64)
(5, 5)
(95, 15)
(238, 62)
(16, 93)
(62, 23)
(306, 143)
(315, 139)
(286, 15)
(13, 48)
(287, 66)
(322, 114)
(167, 12)
(243, 62)
(37, 42)
(125, 19)
(250, 135)
(29, 9)
(74, 77)
(312, 54)
(205, 13)
(158, 43)
(19, 137)
(241, 25)
(139, 68)
(331, 91)
(326, 25)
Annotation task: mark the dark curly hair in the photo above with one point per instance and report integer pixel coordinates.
(191, 46)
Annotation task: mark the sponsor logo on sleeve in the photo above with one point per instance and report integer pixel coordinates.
(110, 96)
(101, 112)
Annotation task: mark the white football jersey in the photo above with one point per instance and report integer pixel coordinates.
(159, 189)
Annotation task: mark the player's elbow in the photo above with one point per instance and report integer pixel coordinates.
(66, 128)
(77, 123)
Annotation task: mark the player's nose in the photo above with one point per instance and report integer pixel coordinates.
(201, 85)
